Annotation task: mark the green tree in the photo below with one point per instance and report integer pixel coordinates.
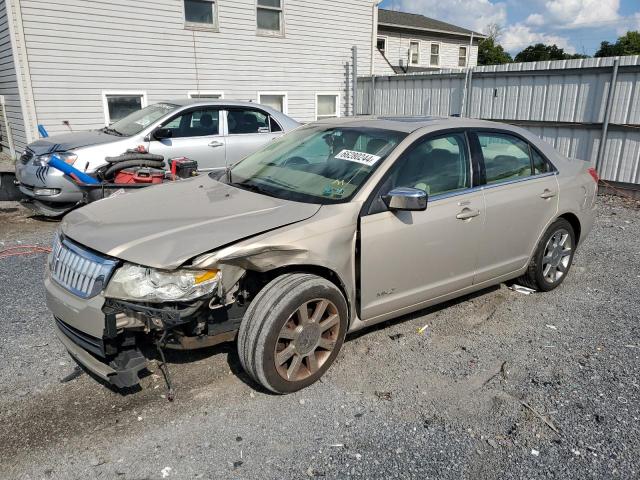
(490, 52)
(628, 44)
(541, 52)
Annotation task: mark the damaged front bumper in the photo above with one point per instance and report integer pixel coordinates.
(113, 338)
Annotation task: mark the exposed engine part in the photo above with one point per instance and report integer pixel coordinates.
(164, 368)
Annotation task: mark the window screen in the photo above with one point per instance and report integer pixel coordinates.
(435, 54)
(274, 101)
(120, 106)
(414, 53)
(327, 106)
(269, 15)
(200, 11)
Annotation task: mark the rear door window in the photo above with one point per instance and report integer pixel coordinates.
(540, 164)
(506, 157)
(243, 121)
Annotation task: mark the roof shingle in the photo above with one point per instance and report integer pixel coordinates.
(414, 20)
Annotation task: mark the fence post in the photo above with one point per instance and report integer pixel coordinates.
(464, 94)
(607, 112)
(354, 74)
(466, 107)
(372, 98)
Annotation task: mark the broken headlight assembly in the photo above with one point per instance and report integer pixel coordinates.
(143, 284)
(66, 157)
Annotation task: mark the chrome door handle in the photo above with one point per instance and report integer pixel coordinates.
(547, 194)
(467, 213)
(216, 143)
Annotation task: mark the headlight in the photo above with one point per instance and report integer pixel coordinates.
(132, 282)
(66, 157)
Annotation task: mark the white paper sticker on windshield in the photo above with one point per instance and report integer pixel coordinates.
(358, 157)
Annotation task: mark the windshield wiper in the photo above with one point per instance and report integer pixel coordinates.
(279, 183)
(112, 131)
(252, 188)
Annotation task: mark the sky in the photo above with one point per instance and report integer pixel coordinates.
(578, 26)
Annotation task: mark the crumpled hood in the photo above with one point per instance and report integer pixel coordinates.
(70, 141)
(163, 226)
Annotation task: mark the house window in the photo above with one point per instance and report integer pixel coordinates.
(414, 53)
(275, 100)
(201, 13)
(202, 94)
(381, 44)
(462, 57)
(118, 105)
(327, 105)
(435, 55)
(269, 16)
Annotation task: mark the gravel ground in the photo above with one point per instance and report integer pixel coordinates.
(499, 385)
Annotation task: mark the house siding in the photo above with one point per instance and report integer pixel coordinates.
(9, 88)
(144, 46)
(397, 48)
(381, 64)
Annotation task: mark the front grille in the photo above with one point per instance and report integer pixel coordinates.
(79, 270)
(26, 156)
(89, 343)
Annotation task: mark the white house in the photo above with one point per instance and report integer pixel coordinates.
(82, 64)
(408, 42)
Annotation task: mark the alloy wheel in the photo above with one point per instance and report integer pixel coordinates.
(557, 256)
(307, 339)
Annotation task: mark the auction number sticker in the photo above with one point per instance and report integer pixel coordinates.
(358, 157)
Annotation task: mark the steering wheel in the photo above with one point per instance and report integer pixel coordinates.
(293, 161)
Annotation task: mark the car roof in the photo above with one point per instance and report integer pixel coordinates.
(411, 124)
(287, 122)
(187, 102)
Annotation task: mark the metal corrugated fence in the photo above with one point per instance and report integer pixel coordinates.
(569, 103)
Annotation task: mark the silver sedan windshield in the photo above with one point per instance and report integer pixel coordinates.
(137, 121)
(316, 164)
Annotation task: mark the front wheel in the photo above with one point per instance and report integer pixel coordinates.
(292, 332)
(553, 257)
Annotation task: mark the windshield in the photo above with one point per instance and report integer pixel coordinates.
(316, 164)
(138, 121)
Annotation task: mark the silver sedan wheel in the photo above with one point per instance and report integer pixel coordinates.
(306, 339)
(557, 255)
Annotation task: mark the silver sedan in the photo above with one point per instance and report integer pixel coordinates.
(215, 133)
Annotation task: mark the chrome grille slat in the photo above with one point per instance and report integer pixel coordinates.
(78, 270)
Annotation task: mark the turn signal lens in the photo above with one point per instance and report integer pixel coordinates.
(209, 275)
(594, 174)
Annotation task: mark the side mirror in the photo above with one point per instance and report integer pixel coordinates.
(162, 133)
(403, 198)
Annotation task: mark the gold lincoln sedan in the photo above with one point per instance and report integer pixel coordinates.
(332, 228)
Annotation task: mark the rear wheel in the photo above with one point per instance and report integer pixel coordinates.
(552, 259)
(292, 332)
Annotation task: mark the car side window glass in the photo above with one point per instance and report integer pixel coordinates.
(195, 123)
(540, 164)
(506, 157)
(275, 126)
(242, 121)
(436, 165)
